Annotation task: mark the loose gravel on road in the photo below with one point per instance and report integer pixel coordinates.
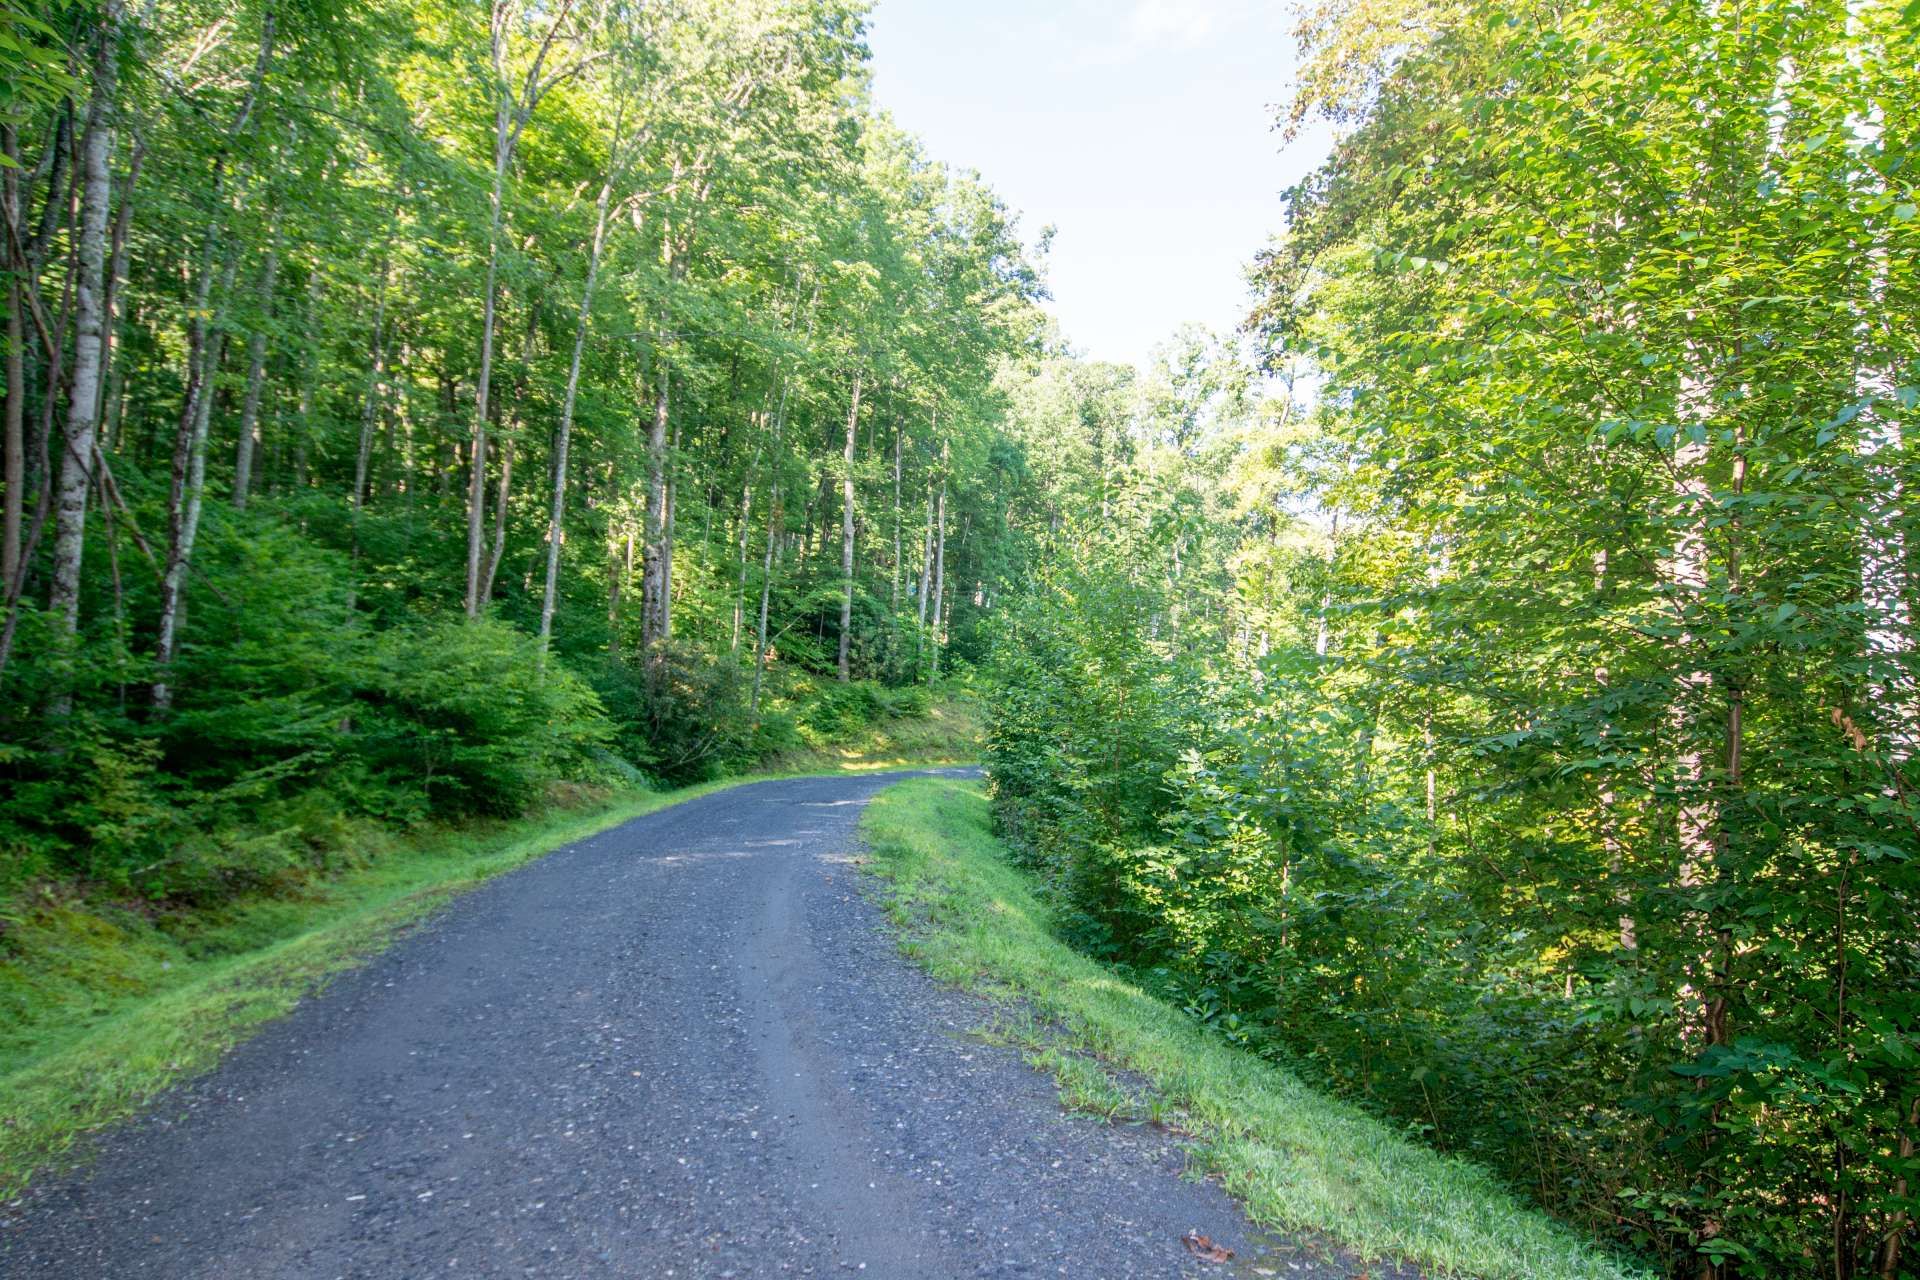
(686, 1047)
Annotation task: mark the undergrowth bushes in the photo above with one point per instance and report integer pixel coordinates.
(1451, 931)
(270, 762)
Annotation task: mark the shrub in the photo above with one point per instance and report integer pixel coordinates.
(681, 714)
(469, 716)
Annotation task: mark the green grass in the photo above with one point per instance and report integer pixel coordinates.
(102, 1005)
(1299, 1160)
(948, 733)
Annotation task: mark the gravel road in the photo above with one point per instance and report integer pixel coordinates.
(684, 1047)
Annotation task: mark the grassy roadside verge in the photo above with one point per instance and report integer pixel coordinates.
(1297, 1159)
(123, 1007)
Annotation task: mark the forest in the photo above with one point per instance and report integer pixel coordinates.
(1509, 721)
(409, 408)
(1484, 684)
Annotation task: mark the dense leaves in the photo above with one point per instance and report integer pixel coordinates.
(413, 406)
(1535, 761)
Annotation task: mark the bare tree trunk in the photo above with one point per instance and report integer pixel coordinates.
(740, 586)
(83, 405)
(499, 545)
(477, 484)
(563, 433)
(206, 344)
(116, 273)
(54, 168)
(16, 436)
(513, 108)
(1695, 816)
(369, 403)
(846, 535)
(655, 571)
(766, 595)
(16, 403)
(771, 558)
(893, 598)
(185, 501)
(926, 558)
(249, 444)
(939, 569)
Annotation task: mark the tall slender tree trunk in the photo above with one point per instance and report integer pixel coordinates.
(740, 584)
(498, 547)
(185, 501)
(926, 559)
(206, 346)
(16, 356)
(563, 432)
(768, 560)
(846, 535)
(893, 596)
(656, 570)
(89, 346)
(939, 569)
(249, 443)
(1610, 839)
(477, 437)
(512, 109)
(1901, 1218)
(1695, 815)
(771, 557)
(370, 402)
(116, 273)
(16, 438)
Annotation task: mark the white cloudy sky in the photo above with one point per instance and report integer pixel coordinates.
(1142, 129)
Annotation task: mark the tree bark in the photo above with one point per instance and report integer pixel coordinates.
(656, 572)
(766, 595)
(16, 439)
(185, 500)
(893, 596)
(206, 344)
(513, 108)
(740, 586)
(16, 356)
(116, 273)
(249, 442)
(926, 559)
(477, 437)
(846, 535)
(563, 433)
(939, 570)
(369, 403)
(83, 405)
(499, 545)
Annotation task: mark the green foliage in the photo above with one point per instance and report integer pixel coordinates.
(1530, 757)
(683, 717)
(472, 717)
(1298, 1159)
(313, 231)
(840, 710)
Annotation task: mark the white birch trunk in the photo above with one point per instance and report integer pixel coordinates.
(76, 459)
(846, 535)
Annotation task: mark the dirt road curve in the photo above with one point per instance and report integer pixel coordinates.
(685, 1047)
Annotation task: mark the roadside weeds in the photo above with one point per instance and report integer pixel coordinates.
(1298, 1160)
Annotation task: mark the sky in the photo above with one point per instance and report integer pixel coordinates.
(1142, 130)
